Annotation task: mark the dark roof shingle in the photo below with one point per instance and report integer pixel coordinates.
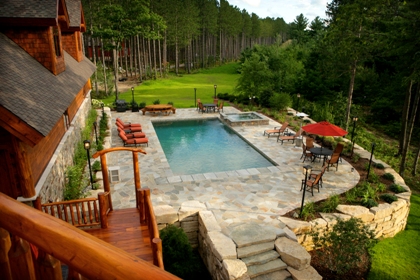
(28, 8)
(32, 92)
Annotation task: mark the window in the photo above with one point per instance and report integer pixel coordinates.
(66, 120)
(56, 36)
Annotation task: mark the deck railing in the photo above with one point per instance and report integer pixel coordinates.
(144, 204)
(36, 237)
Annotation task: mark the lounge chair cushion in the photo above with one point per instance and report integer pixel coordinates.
(133, 141)
(127, 124)
(129, 129)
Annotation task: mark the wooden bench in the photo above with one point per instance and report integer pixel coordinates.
(167, 109)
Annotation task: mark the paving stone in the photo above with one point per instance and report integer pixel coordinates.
(296, 226)
(247, 251)
(221, 245)
(165, 214)
(250, 234)
(261, 258)
(274, 265)
(276, 275)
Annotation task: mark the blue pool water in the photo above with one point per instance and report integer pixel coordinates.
(203, 146)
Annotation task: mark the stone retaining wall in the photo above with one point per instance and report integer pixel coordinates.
(219, 252)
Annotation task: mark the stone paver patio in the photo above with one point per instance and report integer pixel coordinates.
(258, 195)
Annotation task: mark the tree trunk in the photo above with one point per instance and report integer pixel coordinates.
(350, 96)
(404, 118)
(115, 59)
(409, 132)
(104, 68)
(416, 161)
(154, 57)
(139, 58)
(160, 59)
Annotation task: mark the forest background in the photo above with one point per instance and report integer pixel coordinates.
(361, 60)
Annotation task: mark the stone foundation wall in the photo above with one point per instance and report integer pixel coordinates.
(52, 182)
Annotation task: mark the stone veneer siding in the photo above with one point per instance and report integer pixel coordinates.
(50, 186)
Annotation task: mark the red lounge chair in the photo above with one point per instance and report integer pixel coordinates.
(127, 125)
(133, 141)
(132, 135)
(129, 129)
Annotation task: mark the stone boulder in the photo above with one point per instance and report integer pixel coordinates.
(292, 253)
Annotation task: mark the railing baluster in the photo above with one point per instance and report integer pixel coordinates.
(78, 213)
(48, 266)
(83, 210)
(95, 208)
(90, 212)
(60, 215)
(66, 214)
(5, 245)
(52, 210)
(21, 259)
(72, 213)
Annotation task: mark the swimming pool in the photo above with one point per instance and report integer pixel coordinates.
(203, 146)
(247, 118)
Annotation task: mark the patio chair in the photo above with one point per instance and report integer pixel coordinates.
(128, 124)
(306, 154)
(312, 183)
(220, 107)
(129, 129)
(338, 149)
(201, 108)
(315, 173)
(278, 129)
(333, 160)
(198, 102)
(309, 143)
(131, 135)
(288, 138)
(133, 141)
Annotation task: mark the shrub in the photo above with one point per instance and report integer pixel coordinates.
(351, 196)
(389, 176)
(178, 256)
(170, 103)
(389, 198)
(369, 203)
(280, 101)
(379, 165)
(344, 246)
(73, 188)
(373, 177)
(308, 211)
(330, 204)
(142, 105)
(396, 188)
(96, 166)
(381, 187)
(355, 157)
(157, 101)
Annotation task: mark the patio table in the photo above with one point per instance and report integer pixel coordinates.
(320, 152)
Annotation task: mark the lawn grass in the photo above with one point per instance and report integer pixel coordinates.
(399, 257)
(180, 89)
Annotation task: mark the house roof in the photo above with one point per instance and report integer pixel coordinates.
(28, 8)
(74, 11)
(31, 92)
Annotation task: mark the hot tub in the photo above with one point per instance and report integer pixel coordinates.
(247, 118)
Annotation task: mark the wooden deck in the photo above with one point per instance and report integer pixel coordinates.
(125, 232)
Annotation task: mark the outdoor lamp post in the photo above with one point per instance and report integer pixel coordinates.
(86, 145)
(195, 97)
(306, 169)
(96, 133)
(215, 87)
(132, 93)
(370, 161)
(298, 97)
(352, 135)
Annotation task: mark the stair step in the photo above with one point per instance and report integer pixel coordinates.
(256, 249)
(261, 258)
(276, 275)
(271, 266)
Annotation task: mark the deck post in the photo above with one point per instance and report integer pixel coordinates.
(5, 245)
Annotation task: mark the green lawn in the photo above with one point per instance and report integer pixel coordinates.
(399, 257)
(180, 90)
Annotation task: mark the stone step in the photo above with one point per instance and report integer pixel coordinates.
(252, 250)
(276, 275)
(271, 266)
(261, 258)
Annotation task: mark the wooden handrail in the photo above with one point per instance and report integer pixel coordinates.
(147, 215)
(86, 254)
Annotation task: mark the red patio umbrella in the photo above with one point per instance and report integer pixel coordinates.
(324, 128)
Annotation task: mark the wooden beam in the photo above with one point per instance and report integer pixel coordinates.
(24, 167)
(18, 128)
